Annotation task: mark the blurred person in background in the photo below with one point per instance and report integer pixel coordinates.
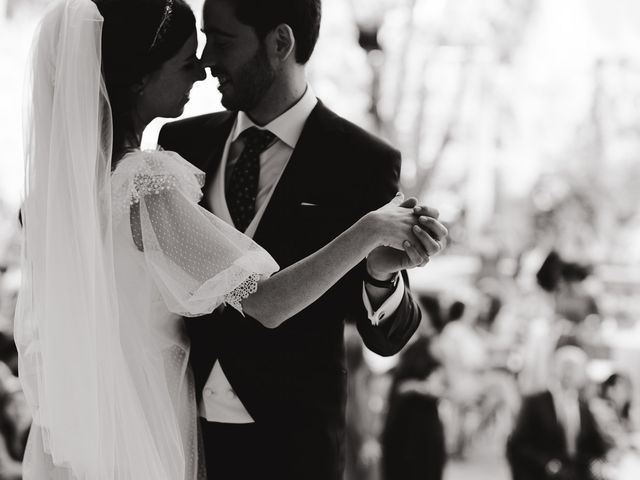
(465, 359)
(434, 320)
(413, 441)
(463, 349)
(563, 304)
(481, 393)
(362, 449)
(617, 418)
(3, 270)
(497, 322)
(15, 422)
(616, 400)
(573, 301)
(8, 351)
(565, 281)
(556, 435)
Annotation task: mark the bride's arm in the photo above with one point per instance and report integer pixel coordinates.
(198, 261)
(298, 286)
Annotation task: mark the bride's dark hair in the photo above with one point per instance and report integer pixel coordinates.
(138, 36)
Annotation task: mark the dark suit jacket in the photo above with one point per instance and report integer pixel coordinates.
(292, 379)
(539, 438)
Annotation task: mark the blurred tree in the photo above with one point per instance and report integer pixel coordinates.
(592, 198)
(439, 58)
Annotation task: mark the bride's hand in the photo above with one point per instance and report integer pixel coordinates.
(392, 224)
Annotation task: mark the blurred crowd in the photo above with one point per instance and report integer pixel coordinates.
(528, 356)
(532, 367)
(15, 419)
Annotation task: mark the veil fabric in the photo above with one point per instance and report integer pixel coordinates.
(72, 367)
(104, 365)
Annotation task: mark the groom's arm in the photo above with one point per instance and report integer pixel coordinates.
(386, 318)
(392, 332)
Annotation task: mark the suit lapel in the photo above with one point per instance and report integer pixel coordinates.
(218, 139)
(291, 187)
(555, 423)
(586, 421)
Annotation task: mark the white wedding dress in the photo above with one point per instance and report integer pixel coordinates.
(172, 259)
(112, 260)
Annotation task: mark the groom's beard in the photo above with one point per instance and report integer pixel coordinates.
(251, 84)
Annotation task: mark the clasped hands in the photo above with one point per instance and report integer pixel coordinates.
(428, 239)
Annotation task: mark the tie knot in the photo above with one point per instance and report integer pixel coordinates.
(257, 139)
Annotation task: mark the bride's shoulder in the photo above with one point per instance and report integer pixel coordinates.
(156, 162)
(145, 172)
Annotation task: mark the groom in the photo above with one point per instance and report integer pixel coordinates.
(293, 175)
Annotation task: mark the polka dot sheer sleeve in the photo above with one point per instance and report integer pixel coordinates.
(197, 260)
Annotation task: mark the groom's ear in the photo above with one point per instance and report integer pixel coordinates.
(281, 42)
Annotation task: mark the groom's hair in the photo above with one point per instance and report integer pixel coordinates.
(303, 16)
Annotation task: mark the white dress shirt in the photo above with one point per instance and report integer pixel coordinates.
(219, 401)
(567, 406)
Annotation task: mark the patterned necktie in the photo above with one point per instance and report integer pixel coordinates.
(242, 189)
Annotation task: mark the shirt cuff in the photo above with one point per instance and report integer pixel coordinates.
(389, 306)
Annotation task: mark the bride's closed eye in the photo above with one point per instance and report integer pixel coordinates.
(220, 43)
(193, 62)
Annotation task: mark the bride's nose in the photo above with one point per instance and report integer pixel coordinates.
(207, 59)
(200, 74)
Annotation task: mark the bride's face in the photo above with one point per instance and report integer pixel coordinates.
(166, 90)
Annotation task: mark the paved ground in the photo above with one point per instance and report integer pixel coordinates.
(478, 467)
(484, 461)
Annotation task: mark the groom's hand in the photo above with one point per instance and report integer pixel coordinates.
(428, 240)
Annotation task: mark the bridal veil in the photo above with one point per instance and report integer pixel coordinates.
(89, 422)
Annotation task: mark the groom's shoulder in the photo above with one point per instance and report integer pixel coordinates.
(192, 128)
(350, 134)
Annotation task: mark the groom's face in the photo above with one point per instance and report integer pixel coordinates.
(236, 57)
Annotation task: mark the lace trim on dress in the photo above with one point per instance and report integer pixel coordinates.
(242, 291)
(199, 261)
(148, 184)
(151, 172)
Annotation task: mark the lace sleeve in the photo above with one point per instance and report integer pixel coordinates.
(197, 260)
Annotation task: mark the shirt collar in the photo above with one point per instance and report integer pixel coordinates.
(288, 126)
(561, 395)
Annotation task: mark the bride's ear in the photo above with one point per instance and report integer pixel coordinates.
(281, 42)
(137, 89)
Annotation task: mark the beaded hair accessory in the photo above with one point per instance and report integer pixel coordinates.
(164, 24)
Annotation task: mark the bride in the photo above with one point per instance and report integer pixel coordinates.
(117, 249)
